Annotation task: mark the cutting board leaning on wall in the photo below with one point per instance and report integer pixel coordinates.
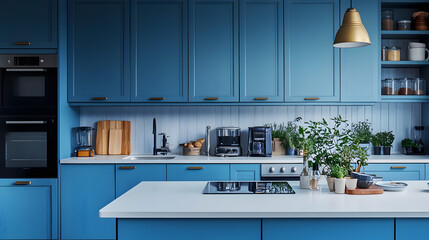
(113, 138)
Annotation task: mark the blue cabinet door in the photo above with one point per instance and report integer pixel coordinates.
(245, 172)
(411, 228)
(28, 211)
(360, 80)
(28, 24)
(261, 51)
(427, 172)
(197, 172)
(85, 189)
(311, 62)
(213, 51)
(281, 229)
(128, 176)
(189, 229)
(397, 172)
(98, 51)
(159, 56)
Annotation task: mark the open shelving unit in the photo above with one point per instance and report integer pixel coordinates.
(398, 38)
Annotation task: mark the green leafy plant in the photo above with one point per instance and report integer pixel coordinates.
(406, 142)
(363, 131)
(290, 135)
(376, 140)
(277, 131)
(338, 171)
(387, 138)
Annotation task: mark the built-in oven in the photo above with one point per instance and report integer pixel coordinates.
(28, 81)
(281, 171)
(28, 147)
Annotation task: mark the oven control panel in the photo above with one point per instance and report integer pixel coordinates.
(28, 60)
(281, 170)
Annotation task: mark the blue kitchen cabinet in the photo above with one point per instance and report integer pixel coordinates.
(85, 189)
(397, 172)
(245, 172)
(311, 63)
(316, 228)
(360, 80)
(98, 51)
(28, 209)
(28, 24)
(213, 51)
(128, 176)
(197, 172)
(189, 229)
(427, 172)
(261, 51)
(159, 56)
(411, 228)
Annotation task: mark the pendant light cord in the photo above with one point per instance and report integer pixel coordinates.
(351, 3)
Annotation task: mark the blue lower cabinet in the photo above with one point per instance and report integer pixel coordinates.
(427, 172)
(85, 189)
(189, 229)
(127, 176)
(245, 172)
(411, 228)
(397, 172)
(28, 209)
(197, 172)
(326, 228)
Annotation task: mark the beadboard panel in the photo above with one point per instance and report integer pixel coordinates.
(184, 123)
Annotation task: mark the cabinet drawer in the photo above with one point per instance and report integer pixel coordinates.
(408, 228)
(197, 172)
(129, 175)
(245, 172)
(397, 171)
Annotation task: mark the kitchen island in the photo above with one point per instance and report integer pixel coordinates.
(179, 210)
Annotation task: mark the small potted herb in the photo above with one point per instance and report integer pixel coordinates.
(277, 133)
(338, 172)
(407, 145)
(376, 143)
(387, 139)
(290, 137)
(363, 132)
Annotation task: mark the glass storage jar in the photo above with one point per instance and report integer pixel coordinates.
(394, 54)
(387, 20)
(384, 52)
(419, 86)
(404, 25)
(406, 86)
(389, 86)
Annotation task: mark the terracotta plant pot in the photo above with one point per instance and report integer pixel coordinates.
(277, 148)
(340, 185)
(331, 183)
(351, 183)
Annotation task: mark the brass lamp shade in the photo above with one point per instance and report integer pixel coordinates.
(352, 33)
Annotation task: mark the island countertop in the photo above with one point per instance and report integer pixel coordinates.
(185, 200)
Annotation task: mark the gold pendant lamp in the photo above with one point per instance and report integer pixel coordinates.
(352, 33)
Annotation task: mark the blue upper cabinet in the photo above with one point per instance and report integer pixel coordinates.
(98, 51)
(311, 62)
(261, 51)
(159, 56)
(213, 53)
(359, 66)
(28, 24)
(28, 209)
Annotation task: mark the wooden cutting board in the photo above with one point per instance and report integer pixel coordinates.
(113, 138)
(373, 189)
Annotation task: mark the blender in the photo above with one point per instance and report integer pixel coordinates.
(418, 135)
(84, 142)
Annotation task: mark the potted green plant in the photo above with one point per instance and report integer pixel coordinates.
(387, 139)
(376, 143)
(363, 131)
(407, 146)
(417, 148)
(277, 133)
(338, 172)
(290, 137)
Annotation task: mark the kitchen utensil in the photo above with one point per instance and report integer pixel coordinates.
(113, 137)
(392, 186)
(84, 142)
(367, 191)
(417, 51)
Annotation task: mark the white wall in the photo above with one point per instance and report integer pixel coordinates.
(184, 123)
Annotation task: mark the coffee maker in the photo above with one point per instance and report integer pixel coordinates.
(259, 144)
(228, 142)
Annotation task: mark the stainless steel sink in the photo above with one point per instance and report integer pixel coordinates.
(157, 157)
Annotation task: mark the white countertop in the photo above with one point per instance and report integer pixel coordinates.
(122, 159)
(185, 200)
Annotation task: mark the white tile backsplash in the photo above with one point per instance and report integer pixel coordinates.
(184, 123)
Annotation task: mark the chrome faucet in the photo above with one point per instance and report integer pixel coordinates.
(165, 146)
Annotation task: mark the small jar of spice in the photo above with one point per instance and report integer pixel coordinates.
(406, 86)
(394, 54)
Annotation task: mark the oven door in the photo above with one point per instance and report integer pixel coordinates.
(29, 87)
(28, 147)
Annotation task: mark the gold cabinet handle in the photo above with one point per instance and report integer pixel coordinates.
(99, 98)
(127, 167)
(23, 43)
(156, 98)
(211, 98)
(398, 167)
(22, 182)
(312, 98)
(260, 98)
(195, 168)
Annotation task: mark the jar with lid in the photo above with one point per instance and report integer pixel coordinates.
(394, 54)
(419, 86)
(387, 20)
(406, 86)
(389, 86)
(404, 25)
(384, 52)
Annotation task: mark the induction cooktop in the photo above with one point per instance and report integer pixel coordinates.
(255, 187)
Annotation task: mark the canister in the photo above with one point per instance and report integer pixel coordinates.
(419, 86)
(394, 54)
(404, 25)
(406, 86)
(389, 86)
(386, 20)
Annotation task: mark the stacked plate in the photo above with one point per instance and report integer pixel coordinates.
(392, 186)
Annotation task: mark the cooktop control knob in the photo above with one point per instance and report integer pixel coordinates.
(283, 169)
(272, 169)
(293, 169)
